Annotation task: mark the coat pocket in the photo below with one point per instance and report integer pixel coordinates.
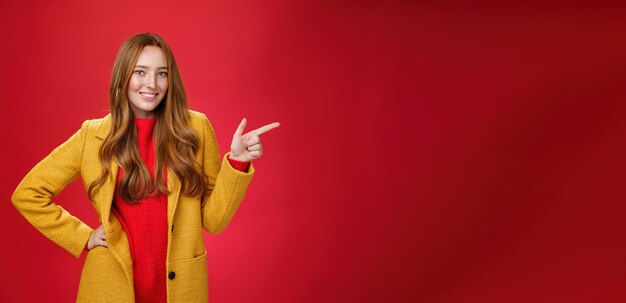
(188, 280)
(103, 279)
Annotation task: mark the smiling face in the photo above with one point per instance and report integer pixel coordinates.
(148, 84)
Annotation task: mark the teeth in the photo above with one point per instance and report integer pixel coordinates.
(148, 95)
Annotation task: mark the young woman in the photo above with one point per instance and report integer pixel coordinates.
(154, 174)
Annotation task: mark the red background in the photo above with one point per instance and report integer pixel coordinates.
(428, 152)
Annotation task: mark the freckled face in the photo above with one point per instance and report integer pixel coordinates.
(148, 84)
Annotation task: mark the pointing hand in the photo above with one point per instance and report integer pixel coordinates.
(248, 147)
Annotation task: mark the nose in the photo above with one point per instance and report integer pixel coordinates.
(150, 81)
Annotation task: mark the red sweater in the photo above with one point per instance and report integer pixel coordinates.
(145, 224)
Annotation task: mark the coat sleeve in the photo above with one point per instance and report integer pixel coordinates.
(33, 196)
(227, 186)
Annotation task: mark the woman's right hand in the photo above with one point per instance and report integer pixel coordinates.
(97, 238)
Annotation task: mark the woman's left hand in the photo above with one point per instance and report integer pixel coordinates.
(248, 147)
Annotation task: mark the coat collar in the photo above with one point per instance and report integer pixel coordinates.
(105, 126)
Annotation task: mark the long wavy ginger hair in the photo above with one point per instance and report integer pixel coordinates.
(175, 143)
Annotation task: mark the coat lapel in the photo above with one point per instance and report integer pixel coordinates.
(108, 188)
(173, 185)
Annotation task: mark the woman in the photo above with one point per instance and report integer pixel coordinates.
(153, 172)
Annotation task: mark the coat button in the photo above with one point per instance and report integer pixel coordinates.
(171, 275)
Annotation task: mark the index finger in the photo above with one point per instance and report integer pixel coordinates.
(264, 129)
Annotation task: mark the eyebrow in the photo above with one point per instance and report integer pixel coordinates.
(143, 66)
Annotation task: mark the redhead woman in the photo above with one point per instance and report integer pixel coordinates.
(152, 171)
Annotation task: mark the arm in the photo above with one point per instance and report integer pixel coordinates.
(33, 196)
(227, 185)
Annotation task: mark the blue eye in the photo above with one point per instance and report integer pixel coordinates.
(139, 72)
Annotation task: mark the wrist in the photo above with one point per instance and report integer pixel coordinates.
(237, 158)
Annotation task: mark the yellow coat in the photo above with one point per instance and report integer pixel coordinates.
(107, 273)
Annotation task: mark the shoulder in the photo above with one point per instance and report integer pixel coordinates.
(201, 125)
(99, 127)
(196, 115)
(199, 121)
(96, 123)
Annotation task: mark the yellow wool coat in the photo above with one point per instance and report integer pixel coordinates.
(107, 274)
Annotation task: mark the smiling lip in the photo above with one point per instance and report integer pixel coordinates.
(148, 96)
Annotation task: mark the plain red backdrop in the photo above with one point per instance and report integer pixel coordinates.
(428, 152)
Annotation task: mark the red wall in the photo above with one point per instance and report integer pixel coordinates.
(427, 153)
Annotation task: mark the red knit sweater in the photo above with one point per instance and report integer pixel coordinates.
(145, 224)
